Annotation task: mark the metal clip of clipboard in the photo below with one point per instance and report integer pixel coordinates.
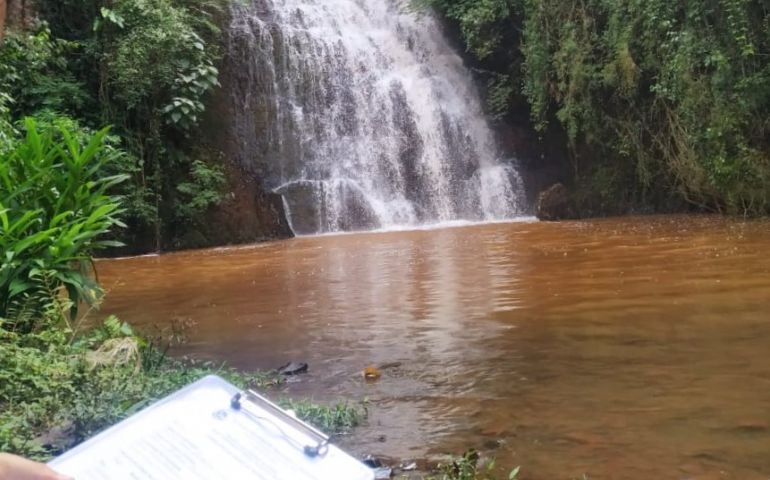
(321, 439)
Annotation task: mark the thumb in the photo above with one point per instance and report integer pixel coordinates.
(13, 467)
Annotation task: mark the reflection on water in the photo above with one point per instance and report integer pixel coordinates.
(631, 348)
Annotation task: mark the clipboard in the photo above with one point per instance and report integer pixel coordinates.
(211, 430)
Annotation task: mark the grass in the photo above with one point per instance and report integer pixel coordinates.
(55, 393)
(470, 466)
(333, 419)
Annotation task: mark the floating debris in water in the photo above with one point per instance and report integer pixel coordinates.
(371, 373)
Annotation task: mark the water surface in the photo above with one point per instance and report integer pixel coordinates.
(631, 348)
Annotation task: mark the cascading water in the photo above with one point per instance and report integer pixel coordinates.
(361, 116)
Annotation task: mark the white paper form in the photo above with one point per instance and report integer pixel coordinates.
(194, 434)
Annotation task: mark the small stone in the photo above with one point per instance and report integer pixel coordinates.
(371, 461)
(293, 368)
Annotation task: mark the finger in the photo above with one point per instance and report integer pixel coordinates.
(18, 468)
(46, 473)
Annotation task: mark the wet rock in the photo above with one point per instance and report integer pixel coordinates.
(553, 203)
(293, 368)
(381, 471)
(321, 206)
(355, 210)
(493, 444)
(60, 437)
(410, 151)
(371, 461)
(306, 210)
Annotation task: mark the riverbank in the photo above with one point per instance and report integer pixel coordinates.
(61, 387)
(59, 390)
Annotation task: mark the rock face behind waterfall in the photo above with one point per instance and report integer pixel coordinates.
(361, 116)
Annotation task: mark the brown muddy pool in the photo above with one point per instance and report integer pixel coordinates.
(631, 348)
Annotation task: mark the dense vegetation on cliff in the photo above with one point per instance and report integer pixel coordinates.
(660, 100)
(144, 67)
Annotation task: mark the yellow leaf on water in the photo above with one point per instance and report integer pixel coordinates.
(371, 373)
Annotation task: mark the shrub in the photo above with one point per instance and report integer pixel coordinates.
(55, 209)
(36, 74)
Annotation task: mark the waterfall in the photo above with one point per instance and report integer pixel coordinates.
(360, 114)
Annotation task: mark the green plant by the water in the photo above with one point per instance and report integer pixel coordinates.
(470, 466)
(336, 419)
(55, 209)
(55, 393)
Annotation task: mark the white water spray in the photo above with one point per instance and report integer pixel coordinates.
(360, 114)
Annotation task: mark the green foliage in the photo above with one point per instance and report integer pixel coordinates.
(7, 131)
(202, 191)
(108, 16)
(55, 209)
(34, 72)
(136, 196)
(156, 59)
(500, 93)
(146, 67)
(185, 110)
(55, 393)
(48, 384)
(470, 467)
(482, 22)
(672, 96)
(334, 419)
(159, 69)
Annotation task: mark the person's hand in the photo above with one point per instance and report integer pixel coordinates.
(17, 468)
